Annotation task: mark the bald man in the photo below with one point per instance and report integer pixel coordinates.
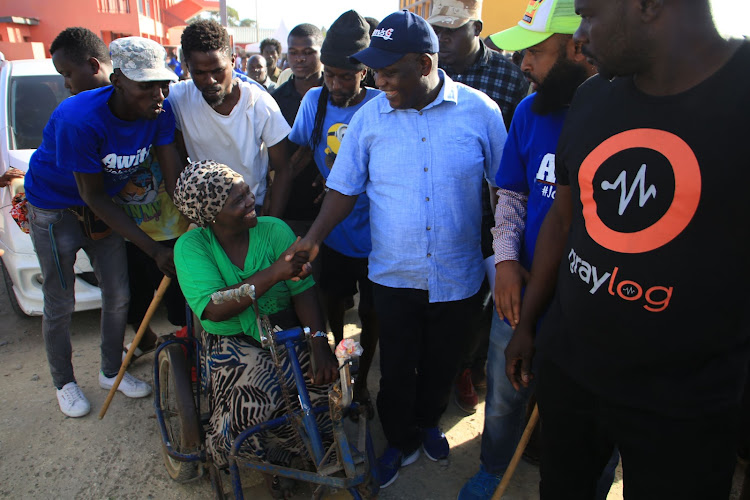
(257, 69)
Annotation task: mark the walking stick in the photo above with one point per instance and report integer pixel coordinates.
(517, 455)
(165, 281)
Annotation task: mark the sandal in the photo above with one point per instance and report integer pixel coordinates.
(138, 351)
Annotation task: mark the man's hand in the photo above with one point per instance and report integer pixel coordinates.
(518, 356)
(292, 264)
(325, 362)
(510, 278)
(300, 159)
(164, 258)
(320, 181)
(12, 173)
(305, 248)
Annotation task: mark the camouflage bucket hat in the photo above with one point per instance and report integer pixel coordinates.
(141, 59)
(454, 13)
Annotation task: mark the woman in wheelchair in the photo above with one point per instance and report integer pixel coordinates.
(232, 247)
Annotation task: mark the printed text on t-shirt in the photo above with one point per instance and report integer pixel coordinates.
(118, 164)
(546, 175)
(656, 298)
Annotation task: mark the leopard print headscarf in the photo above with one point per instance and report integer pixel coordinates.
(203, 189)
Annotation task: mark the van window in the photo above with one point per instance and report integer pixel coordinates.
(32, 100)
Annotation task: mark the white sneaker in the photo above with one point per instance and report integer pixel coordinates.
(72, 401)
(129, 385)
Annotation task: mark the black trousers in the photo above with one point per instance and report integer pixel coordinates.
(145, 278)
(421, 345)
(663, 457)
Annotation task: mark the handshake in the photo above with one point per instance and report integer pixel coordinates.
(298, 257)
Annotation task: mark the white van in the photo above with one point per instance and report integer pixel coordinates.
(29, 91)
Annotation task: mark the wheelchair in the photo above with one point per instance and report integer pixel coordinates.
(182, 415)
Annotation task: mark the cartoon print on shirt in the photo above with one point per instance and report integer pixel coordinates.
(333, 139)
(140, 196)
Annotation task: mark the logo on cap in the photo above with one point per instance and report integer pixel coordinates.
(383, 33)
(531, 11)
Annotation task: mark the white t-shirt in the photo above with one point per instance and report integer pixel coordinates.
(240, 139)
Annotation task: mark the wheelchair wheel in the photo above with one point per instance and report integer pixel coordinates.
(180, 416)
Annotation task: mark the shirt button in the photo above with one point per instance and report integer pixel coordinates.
(428, 228)
(427, 199)
(426, 169)
(420, 113)
(429, 255)
(424, 139)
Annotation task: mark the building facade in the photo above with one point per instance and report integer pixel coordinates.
(28, 27)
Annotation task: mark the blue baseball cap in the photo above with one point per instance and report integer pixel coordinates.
(398, 34)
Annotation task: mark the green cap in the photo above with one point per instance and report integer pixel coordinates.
(543, 18)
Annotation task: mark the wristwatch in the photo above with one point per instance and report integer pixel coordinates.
(320, 334)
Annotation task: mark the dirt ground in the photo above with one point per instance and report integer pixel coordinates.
(44, 455)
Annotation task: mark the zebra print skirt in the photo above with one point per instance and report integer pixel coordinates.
(243, 390)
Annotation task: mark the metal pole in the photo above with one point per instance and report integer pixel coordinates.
(257, 23)
(223, 12)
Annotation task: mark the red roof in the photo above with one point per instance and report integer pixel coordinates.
(180, 12)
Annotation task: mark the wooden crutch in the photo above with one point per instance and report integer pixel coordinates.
(165, 281)
(517, 455)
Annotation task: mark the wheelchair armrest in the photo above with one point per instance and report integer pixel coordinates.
(296, 333)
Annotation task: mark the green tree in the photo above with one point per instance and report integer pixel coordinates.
(247, 22)
(233, 18)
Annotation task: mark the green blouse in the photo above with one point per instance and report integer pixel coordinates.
(204, 268)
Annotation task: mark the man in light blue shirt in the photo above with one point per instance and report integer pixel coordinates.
(321, 124)
(421, 152)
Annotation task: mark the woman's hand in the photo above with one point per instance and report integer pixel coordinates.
(291, 264)
(325, 362)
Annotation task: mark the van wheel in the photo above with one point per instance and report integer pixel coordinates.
(11, 294)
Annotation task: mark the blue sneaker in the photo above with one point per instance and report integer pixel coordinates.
(481, 486)
(391, 461)
(434, 444)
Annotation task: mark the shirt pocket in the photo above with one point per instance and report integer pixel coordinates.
(465, 154)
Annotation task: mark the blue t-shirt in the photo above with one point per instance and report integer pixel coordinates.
(352, 236)
(528, 166)
(83, 135)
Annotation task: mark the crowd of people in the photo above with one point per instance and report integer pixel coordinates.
(470, 201)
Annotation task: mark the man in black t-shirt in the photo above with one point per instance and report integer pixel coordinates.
(645, 344)
(307, 72)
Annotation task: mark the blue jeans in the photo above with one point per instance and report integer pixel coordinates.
(57, 237)
(505, 408)
(505, 412)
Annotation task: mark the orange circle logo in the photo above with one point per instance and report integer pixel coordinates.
(687, 190)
